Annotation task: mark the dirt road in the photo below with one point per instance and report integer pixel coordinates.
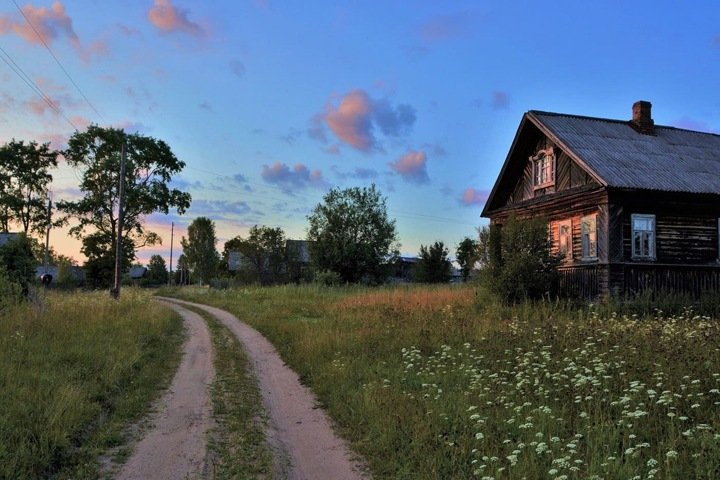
(305, 445)
(176, 446)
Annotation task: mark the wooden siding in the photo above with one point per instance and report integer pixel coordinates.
(588, 281)
(601, 215)
(678, 239)
(656, 279)
(568, 175)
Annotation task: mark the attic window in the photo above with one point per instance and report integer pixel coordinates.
(543, 168)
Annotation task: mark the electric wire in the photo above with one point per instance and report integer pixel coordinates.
(47, 47)
(33, 85)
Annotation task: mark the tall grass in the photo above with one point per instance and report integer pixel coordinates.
(435, 382)
(74, 370)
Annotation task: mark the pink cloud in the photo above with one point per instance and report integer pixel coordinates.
(412, 167)
(47, 25)
(297, 178)
(354, 119)
(50, 24)
(167, 18)
(351, 121)
(472, 196)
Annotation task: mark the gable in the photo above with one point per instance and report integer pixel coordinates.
(517, 181)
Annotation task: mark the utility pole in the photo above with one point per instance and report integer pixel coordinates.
(47, 236)
(46, 277)
(115, 292)
(172, 230)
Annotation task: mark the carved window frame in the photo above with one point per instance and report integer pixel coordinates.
(543, 165)
(565, 231)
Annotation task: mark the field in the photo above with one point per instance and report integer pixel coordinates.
(75, 370)
(438, 383)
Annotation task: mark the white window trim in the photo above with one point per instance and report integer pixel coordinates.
(568, 257)
(582, 233)
(535, 161)
(653, 247)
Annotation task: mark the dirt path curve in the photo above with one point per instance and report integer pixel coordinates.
(176, 447)
(298, 427)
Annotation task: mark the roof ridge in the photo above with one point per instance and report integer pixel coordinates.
(615, 120)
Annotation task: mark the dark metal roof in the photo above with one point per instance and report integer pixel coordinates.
(671, 160)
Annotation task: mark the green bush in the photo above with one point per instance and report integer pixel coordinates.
(10, 291)
(328, 278)
(518, 264)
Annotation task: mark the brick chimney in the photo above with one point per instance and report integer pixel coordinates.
(642, 117)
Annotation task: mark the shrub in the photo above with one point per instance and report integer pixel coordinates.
(517, 262)
(328, 278)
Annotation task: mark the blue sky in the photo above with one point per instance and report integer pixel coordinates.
(270, 103)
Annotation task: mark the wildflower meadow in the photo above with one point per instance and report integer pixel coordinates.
(434, 382)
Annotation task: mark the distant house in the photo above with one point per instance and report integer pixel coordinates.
(403, 269)
(5, 237)
(299, 263)
(632, 206)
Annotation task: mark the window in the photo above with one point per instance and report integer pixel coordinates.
(543, 168)
(565, 240)
(643, 236)
(588, 237)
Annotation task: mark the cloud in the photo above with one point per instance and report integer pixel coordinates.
(45, 25)
(56, 98)
(357, 173)
(134, 127)
(239, 178)
(412, 167)
(356, 117)
(290, 180)
(220, 208)
(688, 123)
(237, 68)
(471, 197)
(500, 100)
(206, 106)
(128, 31)
(716, 41)
(169, 19)
(50, 24)
(443, 27)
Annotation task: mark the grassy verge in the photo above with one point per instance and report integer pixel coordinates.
(429, 382)
(75, 370)
(237, 442)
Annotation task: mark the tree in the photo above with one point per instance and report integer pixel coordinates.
(182, 272)
(467, 255)
(434, 266)
(199, 249)
(150, 165)
(517, 260)
(264, 250)
(18, 262)
(157, 273)
(350, 234)
(24, 180)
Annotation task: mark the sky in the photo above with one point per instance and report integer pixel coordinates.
(270, 104)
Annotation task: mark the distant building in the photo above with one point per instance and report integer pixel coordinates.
(5, 237)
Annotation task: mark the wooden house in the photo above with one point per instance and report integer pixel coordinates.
(632, 206)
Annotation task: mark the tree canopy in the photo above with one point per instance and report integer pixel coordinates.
(467, 255)
(24, 179)
(199, 249)
(150, 166)
(350, 234)
(434, 266)
(263, 250)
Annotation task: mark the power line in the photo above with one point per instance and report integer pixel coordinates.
(58, 61)
(33, 86)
